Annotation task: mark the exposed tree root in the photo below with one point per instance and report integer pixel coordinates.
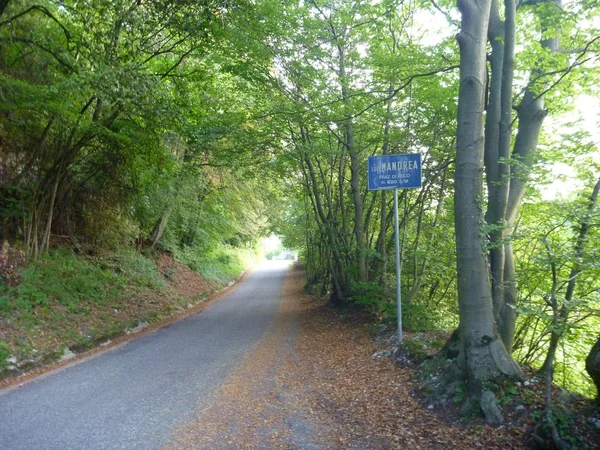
(468, 371)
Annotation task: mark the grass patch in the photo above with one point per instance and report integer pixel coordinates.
(4, 354)
(61, 278)
(65, 300)
(219, 266)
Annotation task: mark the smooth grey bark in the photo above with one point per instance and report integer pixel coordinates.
(498, 139)
(505, 189)
(592, 366)
(483, 353)
(530, 114)
(354, 171)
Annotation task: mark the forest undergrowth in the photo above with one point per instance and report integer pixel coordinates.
(414, 362)
(65, 304)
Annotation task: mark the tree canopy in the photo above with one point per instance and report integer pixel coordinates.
(191, 126)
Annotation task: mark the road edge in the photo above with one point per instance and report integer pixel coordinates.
(10, 384)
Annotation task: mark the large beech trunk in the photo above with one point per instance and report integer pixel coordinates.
(497, 144)
(482, 353)
(505, 189)
(592, 366)
(355, 168)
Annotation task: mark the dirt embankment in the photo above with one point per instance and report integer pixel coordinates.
(57, 336)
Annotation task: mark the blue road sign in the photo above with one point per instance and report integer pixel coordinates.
(395, 171)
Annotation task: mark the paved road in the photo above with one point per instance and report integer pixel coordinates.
(135, 396)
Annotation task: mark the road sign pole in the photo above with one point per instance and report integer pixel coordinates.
(395, 172)
(398, 271)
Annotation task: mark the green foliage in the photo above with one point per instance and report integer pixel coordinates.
(4, 354)
(135, 268)
(558, 223)
(418, 316)
(60, 277)
(460, 395)
(564, 419)
(198, 127)
(368, 295)
(221, 265)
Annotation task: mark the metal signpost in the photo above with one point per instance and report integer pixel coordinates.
(395, 172)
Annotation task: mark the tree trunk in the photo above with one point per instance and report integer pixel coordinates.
(420, 276)
(383, 212)
(484, 355)
(354, 177)
(497, 151)
(3, 5)
(336, 262)
(592, 366)
(557, 329)
(531, 115)
(562, 315)
(161, 225)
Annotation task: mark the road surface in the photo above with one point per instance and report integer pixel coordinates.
(135, 396)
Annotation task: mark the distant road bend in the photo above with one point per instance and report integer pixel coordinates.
(136, 396)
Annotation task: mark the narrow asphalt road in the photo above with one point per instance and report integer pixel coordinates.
(135, 396)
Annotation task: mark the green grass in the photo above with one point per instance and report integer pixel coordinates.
(65, 300)
(136, 268)
(62, 278)
(68, 300)
(4, 354)
(219, 266)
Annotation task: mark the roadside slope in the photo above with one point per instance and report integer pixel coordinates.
(135, 395)
(67, 307)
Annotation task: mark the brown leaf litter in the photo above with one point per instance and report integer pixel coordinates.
(310, 383)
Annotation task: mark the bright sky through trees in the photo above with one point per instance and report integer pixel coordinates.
(431, 27)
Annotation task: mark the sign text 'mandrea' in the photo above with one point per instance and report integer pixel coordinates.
(399, 166)
(395, 171)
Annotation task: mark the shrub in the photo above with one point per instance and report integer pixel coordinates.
(417, 316)
(368, 295)
(220, 265)
(11, 260)
(4, 354)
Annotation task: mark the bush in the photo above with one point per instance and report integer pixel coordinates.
(369, 295)
(221, 265)
(11, 260)
(417, 316)
(62, 277)
(4, 354)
